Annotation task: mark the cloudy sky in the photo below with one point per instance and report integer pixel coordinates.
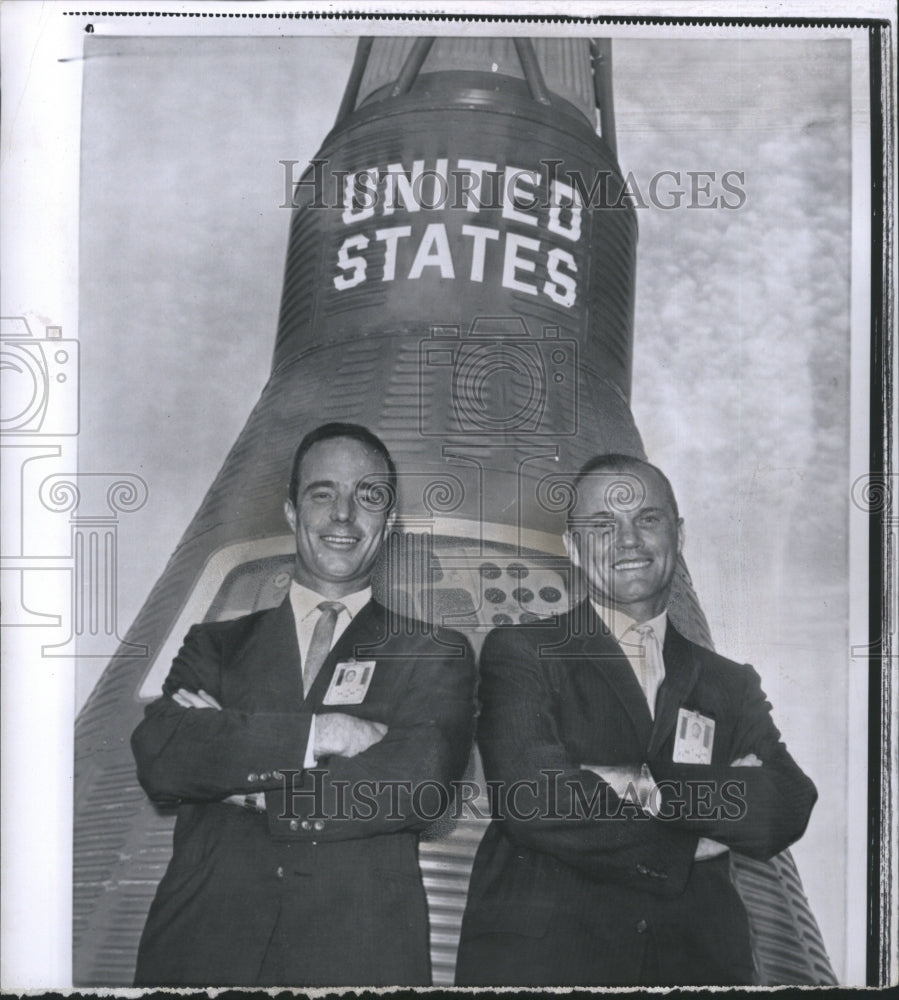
(742, 339)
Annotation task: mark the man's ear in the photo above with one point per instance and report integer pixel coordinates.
(573, 555)
(680, 535)
(290, 515)
(391, 521)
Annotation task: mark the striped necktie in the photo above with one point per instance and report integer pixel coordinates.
(320, 643)
(650, 665)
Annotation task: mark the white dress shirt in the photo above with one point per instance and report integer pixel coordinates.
(648, 673)
(304, 604)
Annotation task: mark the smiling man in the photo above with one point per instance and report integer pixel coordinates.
(638, 760)
(300, 745)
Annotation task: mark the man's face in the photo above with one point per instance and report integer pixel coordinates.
(625, 538)
(339, 521)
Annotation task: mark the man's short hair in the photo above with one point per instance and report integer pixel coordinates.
(615, 462)
(329, 432)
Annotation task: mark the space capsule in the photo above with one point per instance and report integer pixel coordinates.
(460, 279)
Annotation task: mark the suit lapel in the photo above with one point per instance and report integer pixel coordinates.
(590, 637)
(273, 651)
(681, 674)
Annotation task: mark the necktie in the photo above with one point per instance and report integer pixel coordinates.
(320, 643)
(650, 665)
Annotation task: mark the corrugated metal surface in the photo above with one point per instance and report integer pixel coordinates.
(786, 940)
(446, 862)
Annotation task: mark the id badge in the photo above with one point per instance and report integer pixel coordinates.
(694, 739)
(350, 682)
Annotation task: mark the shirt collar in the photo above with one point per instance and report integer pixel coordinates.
(619, 622)
(304, 601)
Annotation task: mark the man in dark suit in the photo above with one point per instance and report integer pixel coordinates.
(628, 761)
(306, 746)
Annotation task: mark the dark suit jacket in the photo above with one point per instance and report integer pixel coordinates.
(334, 878)
(570, 897)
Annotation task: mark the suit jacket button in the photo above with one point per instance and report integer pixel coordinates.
(252, 777)
(642, 870)
(305, 825)
(318, 826)
(277, 775)
(265, 776)
(279, 871)
(294, 825)
(640, 926)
